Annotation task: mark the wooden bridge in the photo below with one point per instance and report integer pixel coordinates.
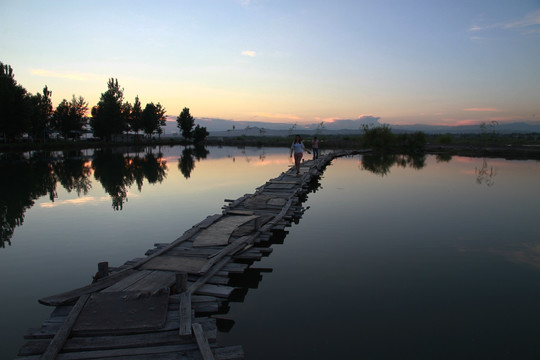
(161, 306)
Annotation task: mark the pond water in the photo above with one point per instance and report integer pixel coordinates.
(395, 257)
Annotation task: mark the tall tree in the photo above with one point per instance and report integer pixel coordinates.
(199, 134)
(41, 109)
(69, 117)
(153, 118)
(135, 117)
(14, 119)
(185, 123)
(107, 116)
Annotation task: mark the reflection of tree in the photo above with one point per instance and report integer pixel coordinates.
(380, 163)
(111, 170)
(443, 158)
(22, 182)
(200, 152)
(154, 169)
(485, 175)
(186, 162)
(117, 173)
(74, 173)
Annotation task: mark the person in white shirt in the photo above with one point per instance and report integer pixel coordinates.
(297, 147)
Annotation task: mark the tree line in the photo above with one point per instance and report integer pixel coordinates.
(23, 113)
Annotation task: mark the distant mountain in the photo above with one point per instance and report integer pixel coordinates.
(222, 127)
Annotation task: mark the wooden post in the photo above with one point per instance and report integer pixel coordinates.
(181, 282)
(103, 269)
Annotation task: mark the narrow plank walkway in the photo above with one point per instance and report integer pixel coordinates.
(162, 306)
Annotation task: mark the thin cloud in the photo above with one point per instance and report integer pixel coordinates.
(276, 116)
(249, 53)
(482, 109)
(529, 24)
(531, 19)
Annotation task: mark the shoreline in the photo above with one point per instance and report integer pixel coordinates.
(508, 151)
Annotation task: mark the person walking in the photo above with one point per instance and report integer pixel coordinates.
(297, 148)
(315, 148)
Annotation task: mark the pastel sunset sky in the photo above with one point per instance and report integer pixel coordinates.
(294, 61)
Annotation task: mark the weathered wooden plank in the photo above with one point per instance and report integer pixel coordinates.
(202, 342)
(184, 327)
(93, 343)
(239, 212)
(219, 232)
(127, 281)
(155, 281)
(72, 295)
(197, 252)
(189, 264)
(215, 290)
(235, 268)
(172, 324)
(61, 336)
(127, 310)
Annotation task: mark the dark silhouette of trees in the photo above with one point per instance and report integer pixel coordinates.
(69, 117)
(108, 116)
(185, 123)
(22, 113)
(135, 117)
(14, 114)
(199, 134)
(153, 118)
(41, 110)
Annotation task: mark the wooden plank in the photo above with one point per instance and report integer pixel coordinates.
(220, 353)
(172, 324)
(129, 310)
(147, 339)
(127, 281)
(72, 295)
(239, 212)
(219, 232)
(184, 327)
(202, 342)
(61, 336)
(215, 290)
(189, 264)
(155, 281)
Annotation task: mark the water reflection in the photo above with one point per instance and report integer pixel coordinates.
(117, 173)
(380, 163)
(25, 180)
(186, 162)
(485, 174)
(22, 182)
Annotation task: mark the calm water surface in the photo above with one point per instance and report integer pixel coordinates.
(393, 259)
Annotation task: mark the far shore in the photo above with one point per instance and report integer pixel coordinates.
(507, 147)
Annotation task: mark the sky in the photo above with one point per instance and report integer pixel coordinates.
(292, 61)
